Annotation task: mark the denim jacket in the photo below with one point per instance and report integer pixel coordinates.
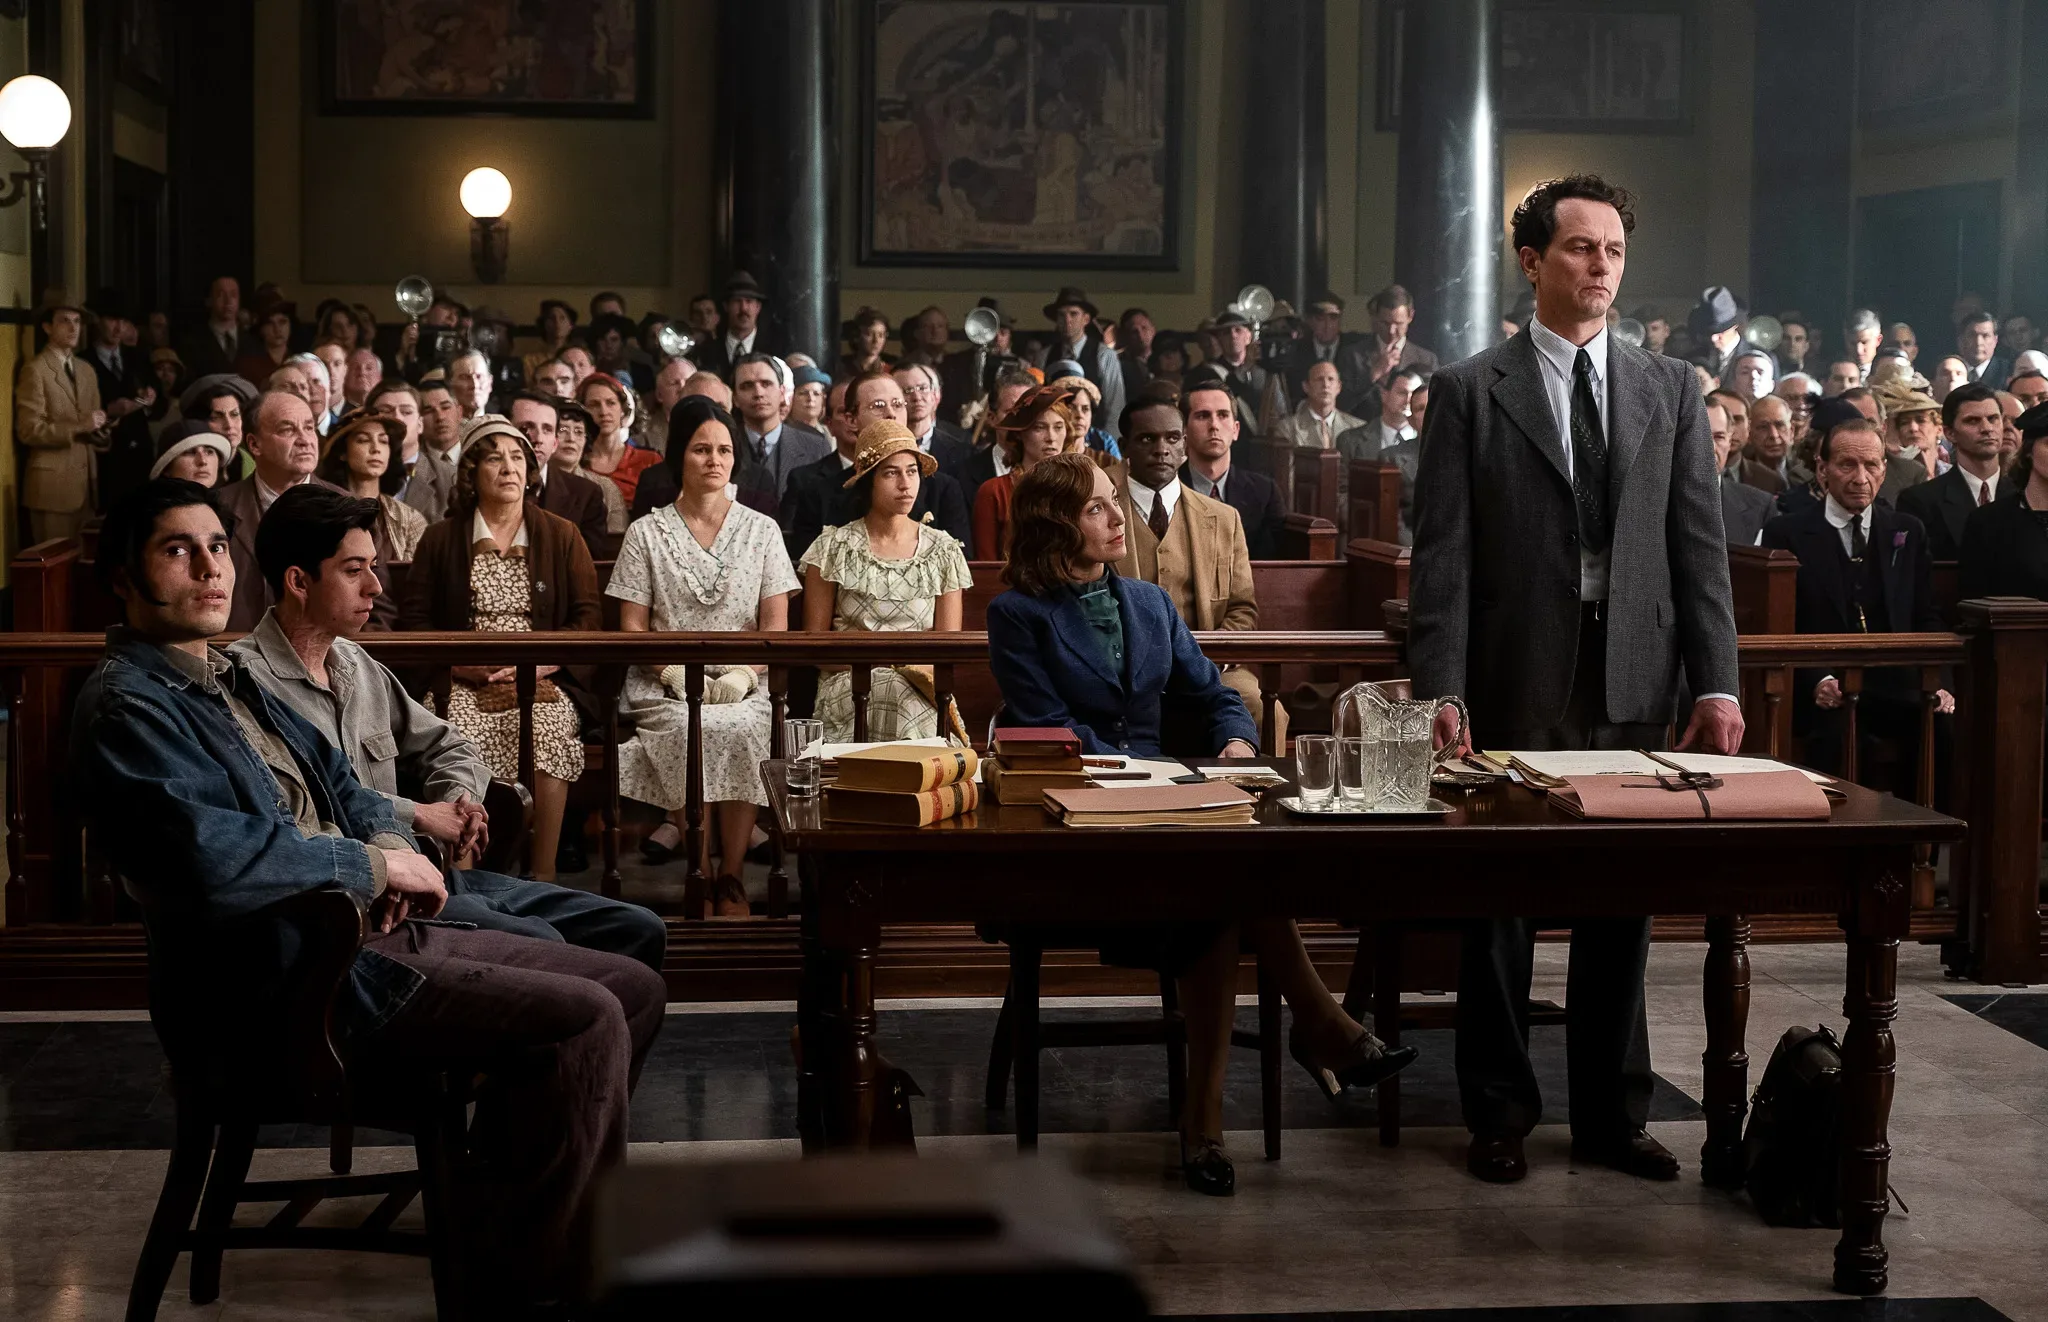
(192, 818)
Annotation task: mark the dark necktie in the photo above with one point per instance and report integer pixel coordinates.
(1160, 520)
(1589, 460)
(1216, 490)
(1984, 492)
(71, 369)
(1858, 543)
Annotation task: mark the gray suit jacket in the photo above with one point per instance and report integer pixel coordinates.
(1494, 584)
(1744, 512)
(432, 485)
(796, 448)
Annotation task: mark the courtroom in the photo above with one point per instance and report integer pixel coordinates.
(1319, 659)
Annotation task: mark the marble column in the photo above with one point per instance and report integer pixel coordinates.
(1447, 209)
(1285, 242)
(779, 163)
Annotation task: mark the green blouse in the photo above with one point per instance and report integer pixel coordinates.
(1105, 615)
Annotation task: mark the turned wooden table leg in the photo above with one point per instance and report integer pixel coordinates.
(1869, 1072)
(818, 1006)
(1725, 1064)
(837, 1089)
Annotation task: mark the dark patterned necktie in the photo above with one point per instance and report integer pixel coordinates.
(1589, 460)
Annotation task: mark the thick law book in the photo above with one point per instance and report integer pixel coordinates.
(1036, 748)
(1210, 804)
(1021, 785)
(904, 767)
(900, 808)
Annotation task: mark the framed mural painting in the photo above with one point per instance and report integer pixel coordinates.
(997, 133)
(564, 58)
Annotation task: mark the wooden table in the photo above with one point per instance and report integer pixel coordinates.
(1505, 852)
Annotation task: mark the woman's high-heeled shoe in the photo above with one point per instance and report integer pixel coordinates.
(1367, 1062)
(1206, 1169)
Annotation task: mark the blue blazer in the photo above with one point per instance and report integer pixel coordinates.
(1049, 663)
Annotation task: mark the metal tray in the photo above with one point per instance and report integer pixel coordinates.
(1436, 808)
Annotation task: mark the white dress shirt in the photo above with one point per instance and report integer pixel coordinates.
(1978, 487)
(1142, 497)
(1976, 371)
(767, 442)
(1393, 436)
(265, 497)
(1558, 356)
(1840, 519)
(738, 349)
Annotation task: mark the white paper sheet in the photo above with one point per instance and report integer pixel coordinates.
(1720, 764)
(1582, 762)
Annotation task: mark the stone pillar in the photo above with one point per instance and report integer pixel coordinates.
(1801, 213)
(1285, 243)
(1447, 216)
(779, 163)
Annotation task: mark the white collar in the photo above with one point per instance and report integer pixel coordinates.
(1842, 518)
(844, 462)
(1170, 493)
(1564, 355)
(265, 497)
(479, 531)
(766, 438)
(1976, 483)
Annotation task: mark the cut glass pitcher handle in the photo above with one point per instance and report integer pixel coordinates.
(1450, 748)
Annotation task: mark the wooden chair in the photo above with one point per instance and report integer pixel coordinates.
(1020, 1035)
(225, 1089)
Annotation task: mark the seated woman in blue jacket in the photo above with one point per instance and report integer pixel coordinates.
(1073, 644)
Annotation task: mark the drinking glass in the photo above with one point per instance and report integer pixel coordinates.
(1355, 773)
(1315, 771)
(800, 739)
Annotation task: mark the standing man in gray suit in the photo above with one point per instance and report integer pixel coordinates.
(1568, 558)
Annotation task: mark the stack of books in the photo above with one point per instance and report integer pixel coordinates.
(1026, 762)
(902, 785)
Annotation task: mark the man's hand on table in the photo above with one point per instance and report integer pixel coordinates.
(1716, 727)
(1238, 748)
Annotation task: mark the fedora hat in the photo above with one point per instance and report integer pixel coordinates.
(1070, 296)
(1716, 311)
(740, 284)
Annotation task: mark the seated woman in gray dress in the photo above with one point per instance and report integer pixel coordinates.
(1074, 644)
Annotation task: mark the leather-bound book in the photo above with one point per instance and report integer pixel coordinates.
(1037, 748)
(897, 808)
(904, 767)
(1026, 785)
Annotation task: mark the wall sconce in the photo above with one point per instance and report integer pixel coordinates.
(486, 193)
(34, 116)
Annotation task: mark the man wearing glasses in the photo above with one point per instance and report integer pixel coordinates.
(941, 440)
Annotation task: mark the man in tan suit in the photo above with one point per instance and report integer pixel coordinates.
(1192, 546)
(56, 413)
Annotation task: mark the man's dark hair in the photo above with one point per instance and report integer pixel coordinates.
(1961, 395)
(1857, 423)
(535, 397)
(1151, 395)
(49, 316)
(1394, 296)
(395, 385)
(606, 295)
(1725, 392)
(766, 360)
(1535, 222)
(851, 405)
(304, 527)
(1128, 313)
(1976, 318)
(129, 525)
(1840, 358)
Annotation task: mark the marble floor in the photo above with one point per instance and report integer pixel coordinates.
(1340, 1225)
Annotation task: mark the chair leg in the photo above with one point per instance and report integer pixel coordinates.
(341, 1142)
(996, 1090)
(436, 1144)
(1269, 1062)
(231, 1157)
(1386, 1023)
(1024, 971)
(173, 1217)
(1176, 1047)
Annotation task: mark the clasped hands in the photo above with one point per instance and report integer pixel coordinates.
(1827, 695)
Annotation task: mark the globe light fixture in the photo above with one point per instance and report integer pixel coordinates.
(34, 117)
(486, 195)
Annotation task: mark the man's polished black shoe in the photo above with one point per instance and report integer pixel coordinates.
(1497, 1158)
(1207, 1170)
(1634, 1154)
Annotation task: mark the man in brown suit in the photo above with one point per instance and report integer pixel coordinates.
(284, 440)
(56, 412)
(1192, 546)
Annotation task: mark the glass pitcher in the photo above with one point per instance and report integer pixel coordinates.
(1398, 755)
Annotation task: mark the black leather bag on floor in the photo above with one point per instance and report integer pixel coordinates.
(1789, 1150)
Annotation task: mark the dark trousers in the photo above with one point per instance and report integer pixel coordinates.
(546, 911)
(557, 1034)
(1607, 1032)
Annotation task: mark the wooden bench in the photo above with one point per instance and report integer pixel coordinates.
(1372, 502)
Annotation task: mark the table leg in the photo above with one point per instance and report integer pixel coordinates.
(1868, 1073)
(1725, 1065)
(818, 999)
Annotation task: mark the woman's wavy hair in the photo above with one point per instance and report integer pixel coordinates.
(1045, 542)
(462, 504)
(334, 459)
